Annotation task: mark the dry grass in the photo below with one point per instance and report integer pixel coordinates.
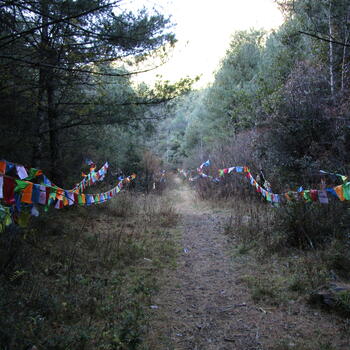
(84, 278)
(282, 272)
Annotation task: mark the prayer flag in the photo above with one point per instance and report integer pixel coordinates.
(314, 195)
(2, 167)
(70, 197)
(46, 181)
(276, 198)
(33, 173)
(34, 211)
(88, 199)
(307, 196)
(80, 199)
(21, 171)
(332, 191)
(52, 195)
(346, 191)
(340, 192)
(9, 168)
(42, 195)
(322, 196)
(36, 193)
(21, 185)
(18, 201)
(59, 194)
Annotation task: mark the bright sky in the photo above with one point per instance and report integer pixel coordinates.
(203, 30)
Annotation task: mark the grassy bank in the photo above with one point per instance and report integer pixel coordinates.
(294, 259)
(83, 278)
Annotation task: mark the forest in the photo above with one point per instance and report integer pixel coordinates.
(125, 274)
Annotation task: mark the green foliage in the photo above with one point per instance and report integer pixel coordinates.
(276, 85)
(343, 302)
(65, 85)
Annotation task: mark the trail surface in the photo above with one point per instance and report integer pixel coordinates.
(204, 306)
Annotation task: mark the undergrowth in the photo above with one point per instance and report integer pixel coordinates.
(290, 253)
(298, 248)
(84, 278)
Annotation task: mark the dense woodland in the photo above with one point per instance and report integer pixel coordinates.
(66, 88)
(66, 84)
(279, 101)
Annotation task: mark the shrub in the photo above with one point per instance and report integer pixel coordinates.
(311, 225)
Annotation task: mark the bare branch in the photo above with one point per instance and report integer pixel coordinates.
(324, 39)
(77, 70)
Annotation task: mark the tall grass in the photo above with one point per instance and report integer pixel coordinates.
(84, 278)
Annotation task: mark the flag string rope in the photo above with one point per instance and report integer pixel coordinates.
(22, 193)
(341, 192)
(25, 173)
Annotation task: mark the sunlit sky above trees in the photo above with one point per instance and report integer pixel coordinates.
(203, 29)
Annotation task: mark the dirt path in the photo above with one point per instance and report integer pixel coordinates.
(204, 306)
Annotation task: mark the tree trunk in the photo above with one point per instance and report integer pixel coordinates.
(39, 122)
(346, 38)
(331, 57)
(53, 134)
(40, 114)
(46, 109)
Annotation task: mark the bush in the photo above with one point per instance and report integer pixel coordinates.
(312, 225)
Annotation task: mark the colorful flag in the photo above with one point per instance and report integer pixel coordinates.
(2, 167)
(21, 171)
(42, 195)
(322, 196)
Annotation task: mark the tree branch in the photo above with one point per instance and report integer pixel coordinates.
(77, 70)
(134, 103)
(324, 39)
(59, 20)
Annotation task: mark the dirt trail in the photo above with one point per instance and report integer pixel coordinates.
(203, 305)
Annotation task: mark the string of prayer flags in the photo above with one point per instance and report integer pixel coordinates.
(22, 194)
(18, 170)
(342, 192)
(91, 178)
